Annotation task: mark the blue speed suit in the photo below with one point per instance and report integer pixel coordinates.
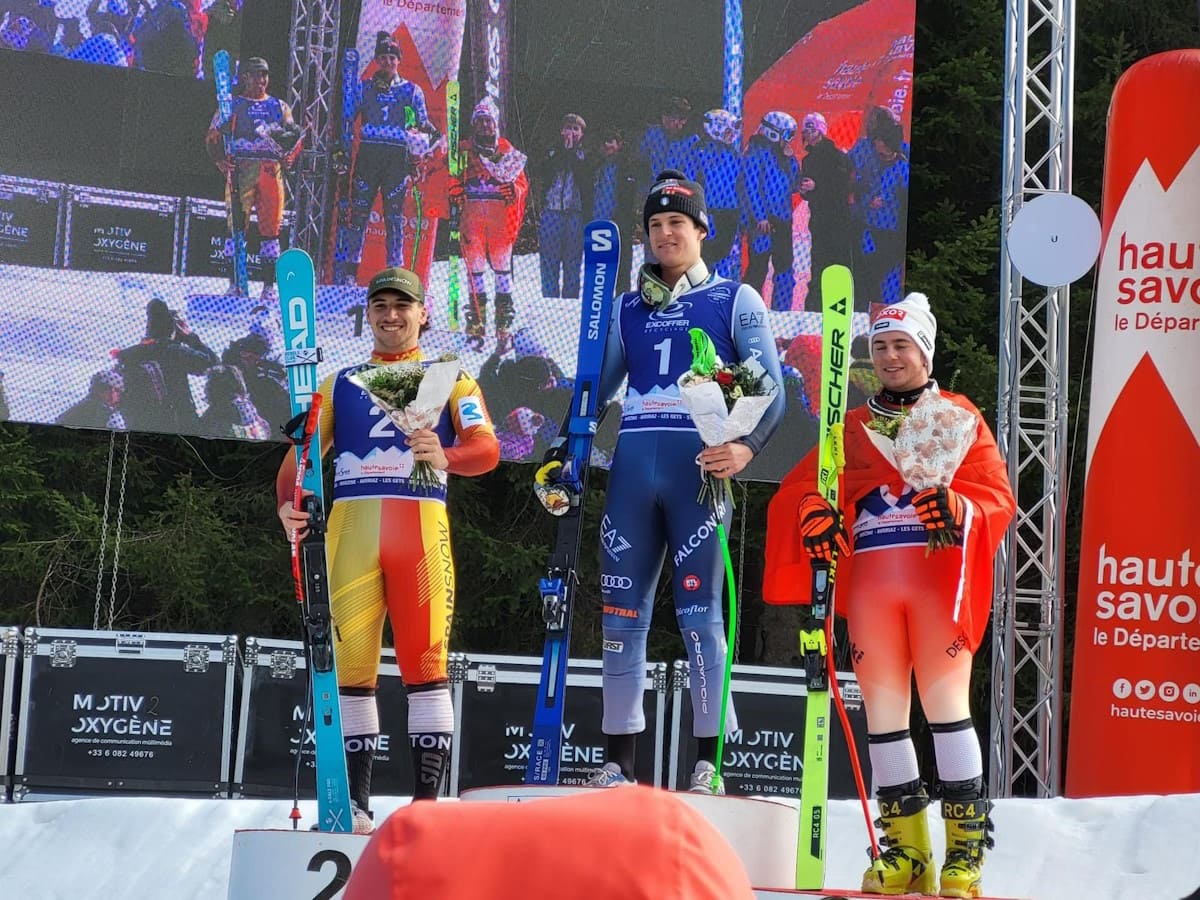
(651, 511)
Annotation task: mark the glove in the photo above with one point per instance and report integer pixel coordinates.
(458, 192)
(939, 509)
(508, 191)
(821, 530)
(341, 160)
(555, 497)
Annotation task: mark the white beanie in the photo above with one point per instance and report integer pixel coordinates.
(913, 317)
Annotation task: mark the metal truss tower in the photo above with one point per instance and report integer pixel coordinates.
(312, 84)
(1027, 647)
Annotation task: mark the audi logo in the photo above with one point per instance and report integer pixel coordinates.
(616, 582)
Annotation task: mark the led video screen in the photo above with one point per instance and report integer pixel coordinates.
(794, 117)
(175, 37)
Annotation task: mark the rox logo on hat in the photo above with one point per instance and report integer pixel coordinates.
(891, 312)
(674, 187)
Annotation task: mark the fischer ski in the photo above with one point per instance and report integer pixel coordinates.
(837, 290)
(455, 164)
(566, 483)
(223, 79)
(297, 288)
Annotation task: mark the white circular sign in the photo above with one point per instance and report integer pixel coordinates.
(1054, 239)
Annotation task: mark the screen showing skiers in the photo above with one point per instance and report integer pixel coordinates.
(474, 165)
(174, 37)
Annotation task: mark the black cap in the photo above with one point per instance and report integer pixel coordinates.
(256, 64)
(386, 44)
(672, 192)
(402, 281)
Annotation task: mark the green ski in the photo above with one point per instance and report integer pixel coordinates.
(455, 163)
(837, 289)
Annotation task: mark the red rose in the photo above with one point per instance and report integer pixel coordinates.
(724, 378)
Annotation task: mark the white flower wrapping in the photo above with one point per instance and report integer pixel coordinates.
(718, 424)
(706, 403)
(930, 445)
(433, 392)
(933, 440)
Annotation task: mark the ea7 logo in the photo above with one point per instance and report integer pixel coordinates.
(602, 240)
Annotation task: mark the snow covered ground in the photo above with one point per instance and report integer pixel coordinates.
(58, 327)
(1133, 848)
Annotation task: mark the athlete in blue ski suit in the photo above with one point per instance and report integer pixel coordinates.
(772, 176)
(396, 133)
(652, 509)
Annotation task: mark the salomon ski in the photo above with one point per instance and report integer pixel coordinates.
(837, 290)
(565, 483)
(297, 299)
(223, 78)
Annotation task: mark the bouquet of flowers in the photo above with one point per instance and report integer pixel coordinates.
(927, 444)
(726, 401)
(412, 395)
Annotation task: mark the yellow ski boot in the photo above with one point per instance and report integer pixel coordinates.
(906, 864)
(968, 834)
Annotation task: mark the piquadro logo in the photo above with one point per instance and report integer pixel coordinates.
(616, 582)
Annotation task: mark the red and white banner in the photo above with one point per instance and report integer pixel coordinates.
(847, 64)
(431, 43)
(1136, 680)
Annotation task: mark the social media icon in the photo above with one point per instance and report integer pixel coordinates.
(1122, 688)
(1144, 689)
(1169, 691)
(1191, 692)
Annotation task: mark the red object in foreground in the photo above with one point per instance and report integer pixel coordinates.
(627, 843)
(831, 892)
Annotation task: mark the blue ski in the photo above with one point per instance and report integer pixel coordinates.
(601, 258)
(223, 79)
(297, 287)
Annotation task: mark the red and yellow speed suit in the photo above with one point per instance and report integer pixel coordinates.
(388, 540)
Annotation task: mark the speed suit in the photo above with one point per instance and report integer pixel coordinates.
(652, 509)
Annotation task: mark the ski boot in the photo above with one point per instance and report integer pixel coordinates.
(705, 780)
(476, 321)
(968, 833)
(906, 864)
(609, 776)
(359, 764)
(504, 318)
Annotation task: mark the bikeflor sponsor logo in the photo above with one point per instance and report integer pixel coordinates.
(694, 609)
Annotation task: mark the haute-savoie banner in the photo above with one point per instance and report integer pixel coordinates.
(1136, 681)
